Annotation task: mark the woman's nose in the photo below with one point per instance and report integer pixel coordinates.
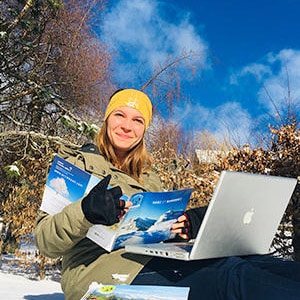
(126, 124)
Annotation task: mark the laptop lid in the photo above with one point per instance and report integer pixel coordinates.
(242, 218)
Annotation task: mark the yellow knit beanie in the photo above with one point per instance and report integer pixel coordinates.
(132, 98)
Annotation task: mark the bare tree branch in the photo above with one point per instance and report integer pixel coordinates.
(162, 70)
(21, 15)
(27, 134)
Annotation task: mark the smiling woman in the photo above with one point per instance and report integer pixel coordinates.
(128, 116)
(120, 158)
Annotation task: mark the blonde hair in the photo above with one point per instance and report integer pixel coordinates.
(137, 162)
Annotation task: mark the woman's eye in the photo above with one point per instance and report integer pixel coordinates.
(141, 121)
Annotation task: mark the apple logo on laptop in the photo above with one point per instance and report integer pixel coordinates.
(248, 216)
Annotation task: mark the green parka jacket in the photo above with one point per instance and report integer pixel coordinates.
(63, 234)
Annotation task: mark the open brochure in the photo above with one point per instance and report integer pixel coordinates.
(147, 221)
(135, 292)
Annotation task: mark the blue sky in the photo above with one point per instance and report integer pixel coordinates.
(249, 57)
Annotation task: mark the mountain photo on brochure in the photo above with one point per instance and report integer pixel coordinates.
(150, 219)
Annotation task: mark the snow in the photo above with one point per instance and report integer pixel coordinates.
(20, 283)
(19, 287)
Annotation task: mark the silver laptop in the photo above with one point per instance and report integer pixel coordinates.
(242, 219)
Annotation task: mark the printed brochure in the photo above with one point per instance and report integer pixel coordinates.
(135, 292)
(147, 221)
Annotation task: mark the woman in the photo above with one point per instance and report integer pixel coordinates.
(122, 160)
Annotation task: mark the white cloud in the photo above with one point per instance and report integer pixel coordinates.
(257, 70)
(278, 80)
(228, 120)
(283, 87)
(234, 122)
(141, 34)
(60, 186)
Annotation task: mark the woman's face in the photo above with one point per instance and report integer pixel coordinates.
(125, 129)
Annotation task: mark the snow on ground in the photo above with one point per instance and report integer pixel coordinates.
(19, 283)
(19, 287)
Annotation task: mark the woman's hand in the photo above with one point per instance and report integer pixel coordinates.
(103, 205)
(187, 225)
(124, 208)
(182, 227)
(128, 204)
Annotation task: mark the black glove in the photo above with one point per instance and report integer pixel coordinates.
(194, 219)
(102, 205)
